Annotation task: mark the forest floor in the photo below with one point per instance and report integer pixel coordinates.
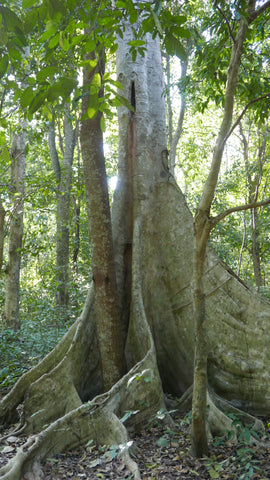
(161, 452)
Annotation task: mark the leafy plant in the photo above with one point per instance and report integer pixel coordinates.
(115, 450)
(247, 465)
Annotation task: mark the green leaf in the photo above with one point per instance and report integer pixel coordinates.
(120, 4)
(90, 45)
(92, 63)
(58, 7)
(162, 441)
(15, 54)
(213, 473)
(136, 43)
(148, 24)
(37, 101)
(27, 97)
(174, 47)
(20, 37)
(77, 39)
(113, 48)
(116, 83)
(133, 16)
(93, 106)
(54, 41)
(124, 102)
(106, 21)
(180, 31)
(11, 19)
(62, 88)
(5, 155)
(96, 80)
(47, 112)
(45, 73)
(64, 42)
(179, 19)
(28, 3)
(4, 62)
(157, 22)
(30, 20)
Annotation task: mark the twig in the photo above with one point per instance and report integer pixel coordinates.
(239, 208)
(259, 11)
(254, 100)
(226, 21)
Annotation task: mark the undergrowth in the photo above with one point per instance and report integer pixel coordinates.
(21, 350)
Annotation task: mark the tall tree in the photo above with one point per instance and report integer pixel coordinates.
(154, 239)
(63, 176)
(254, 171)
(2, 233)
(110, 337)
(17, 184)
(203, 224)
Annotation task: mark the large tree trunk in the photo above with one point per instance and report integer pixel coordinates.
(153, 235)
(109, 332)
(12, 299)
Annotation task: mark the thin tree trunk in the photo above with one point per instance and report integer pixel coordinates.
(242, 245)
(12, 300)
(202, 229)
(63, 175)
(253, 192)
(169, 108)
(76, 201)
(256, 254)
(2, 233)
(109, 332)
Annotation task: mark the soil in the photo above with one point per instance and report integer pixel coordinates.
(161, 452)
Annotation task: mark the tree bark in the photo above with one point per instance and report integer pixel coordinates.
(110, 338)
(12, 299)
(253, 183)
(2, 233)
(202, 229)
(76, 201)
(63, 175)
(181, 116)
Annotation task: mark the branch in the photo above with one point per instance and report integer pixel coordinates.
(259, 11)
(226, 21)
(243, 113)
(217, 218)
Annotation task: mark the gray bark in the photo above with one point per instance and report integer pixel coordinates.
(2, 233)
(63, 175)
(202, 228)
(253, 184)
(12, 298)
(180, 122)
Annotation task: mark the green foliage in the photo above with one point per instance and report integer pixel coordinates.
(245, 433)
(19, 351)
(245, 461)
(12, 358)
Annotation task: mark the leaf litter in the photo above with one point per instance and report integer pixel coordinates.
(162, 453)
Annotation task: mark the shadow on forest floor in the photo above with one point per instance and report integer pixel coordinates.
(161, 453)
